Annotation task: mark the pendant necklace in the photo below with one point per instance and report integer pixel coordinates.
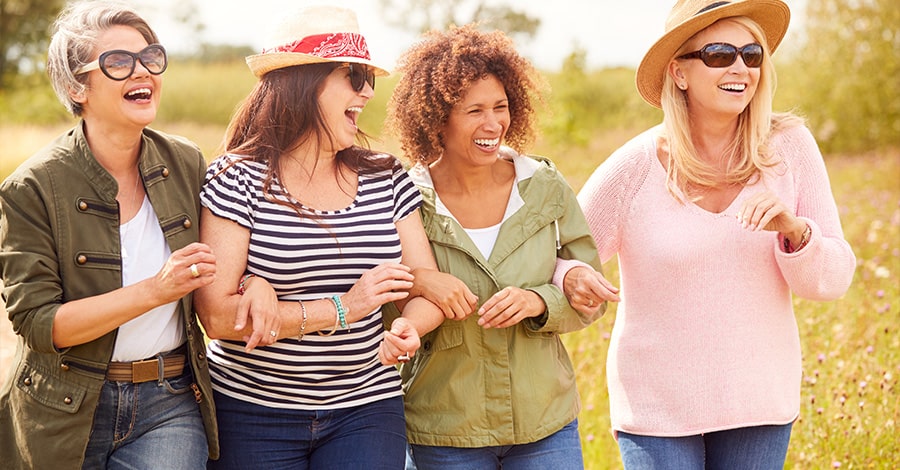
(137, 181)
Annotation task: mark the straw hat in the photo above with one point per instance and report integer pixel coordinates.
(313, 35)
(688, 17)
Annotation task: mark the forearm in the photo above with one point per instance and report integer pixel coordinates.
(84, 320)
(423, 315)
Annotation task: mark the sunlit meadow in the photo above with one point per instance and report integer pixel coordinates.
(851, 401)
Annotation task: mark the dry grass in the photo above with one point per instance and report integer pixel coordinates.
(851, 398)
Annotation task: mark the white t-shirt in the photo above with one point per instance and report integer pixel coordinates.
(144, 252)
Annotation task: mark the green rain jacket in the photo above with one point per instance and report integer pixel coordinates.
(59, 241)
(473, 387)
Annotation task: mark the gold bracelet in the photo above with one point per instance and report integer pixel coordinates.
(302, 322)
(335, 327)
(804, 239)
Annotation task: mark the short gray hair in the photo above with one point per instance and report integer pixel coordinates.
(74, 38)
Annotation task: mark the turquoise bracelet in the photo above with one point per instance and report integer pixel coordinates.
(341, 313)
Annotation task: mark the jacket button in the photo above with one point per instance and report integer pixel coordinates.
(81, 259)
(27, 381)
(187, 223)
(67, 400)
(64, 367)
(165, 172)
(82, 206)
(201, 356)
(427, 346)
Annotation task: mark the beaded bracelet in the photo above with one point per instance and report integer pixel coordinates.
(302, 322)
(341, 313)
(242, 286)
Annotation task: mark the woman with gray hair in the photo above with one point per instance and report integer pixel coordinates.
(98, 259)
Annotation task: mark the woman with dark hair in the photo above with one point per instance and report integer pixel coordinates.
(98, 259)
(334, 229)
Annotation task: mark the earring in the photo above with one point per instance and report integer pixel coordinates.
(682, 86)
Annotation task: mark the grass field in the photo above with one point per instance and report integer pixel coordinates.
(851, 401)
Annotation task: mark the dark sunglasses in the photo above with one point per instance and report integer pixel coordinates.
(360, 74)
(720, 54)
(119, 65)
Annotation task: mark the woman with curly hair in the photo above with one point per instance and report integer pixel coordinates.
(495, 388)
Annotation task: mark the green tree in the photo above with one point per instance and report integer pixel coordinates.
(24, 36)
(844, 74)
(420, 16)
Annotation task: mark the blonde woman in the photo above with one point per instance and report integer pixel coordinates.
(717, 216)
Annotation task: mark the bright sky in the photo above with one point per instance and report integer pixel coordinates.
(612, 32)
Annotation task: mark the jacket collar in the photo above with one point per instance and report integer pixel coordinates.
(539, 188)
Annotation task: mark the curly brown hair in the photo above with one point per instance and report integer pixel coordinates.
(437, 71)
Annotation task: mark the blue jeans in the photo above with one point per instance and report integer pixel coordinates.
(371, 436)
(559, 451)
(750, 448)
(148, 425)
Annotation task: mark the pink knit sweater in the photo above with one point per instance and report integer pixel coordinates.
(705, 337)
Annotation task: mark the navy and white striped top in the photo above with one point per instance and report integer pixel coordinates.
(309, 259)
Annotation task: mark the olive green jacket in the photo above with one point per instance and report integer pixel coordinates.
(473, 387)
(59, 242)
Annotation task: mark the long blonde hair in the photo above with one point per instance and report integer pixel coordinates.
(748, 153)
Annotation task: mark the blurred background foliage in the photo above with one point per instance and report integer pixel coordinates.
(842, 73)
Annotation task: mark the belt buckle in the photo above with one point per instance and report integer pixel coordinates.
(144, 371)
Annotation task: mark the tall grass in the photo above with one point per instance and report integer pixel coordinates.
(851, 402)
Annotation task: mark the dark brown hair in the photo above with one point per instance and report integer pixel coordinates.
(282, 112)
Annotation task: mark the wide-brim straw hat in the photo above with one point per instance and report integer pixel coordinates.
(313, 35)
(688, 17)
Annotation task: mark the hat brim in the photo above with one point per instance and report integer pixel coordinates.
(260, 64)
(773, 16)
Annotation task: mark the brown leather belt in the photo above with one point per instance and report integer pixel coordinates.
(149, 369)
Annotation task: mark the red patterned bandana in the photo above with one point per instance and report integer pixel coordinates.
(328, 46)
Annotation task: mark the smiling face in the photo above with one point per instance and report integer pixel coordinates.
(341, 106)
(724, 91)
(477, 124)
(132, 102)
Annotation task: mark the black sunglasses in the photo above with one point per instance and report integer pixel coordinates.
(119, 65)
(720, 54)
(360, 74)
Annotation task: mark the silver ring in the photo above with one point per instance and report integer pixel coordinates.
(194, 271)
(403, 357)
(273, 333)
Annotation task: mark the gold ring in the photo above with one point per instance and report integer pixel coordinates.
(273, 333)
(591, 303)
(194, 271)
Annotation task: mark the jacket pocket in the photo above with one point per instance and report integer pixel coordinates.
(446, 337)
(49, 390)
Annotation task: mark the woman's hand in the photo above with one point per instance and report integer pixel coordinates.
(446, 291)
(387, 282)
(399, 344)
(587, 289)
(509, 307)
(259, 304)
(177, 277)
(765, 211)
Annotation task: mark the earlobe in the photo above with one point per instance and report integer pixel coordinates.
(677, 75)
(77, 96)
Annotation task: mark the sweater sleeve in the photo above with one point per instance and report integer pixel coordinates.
(823, 269)
(607, 195)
